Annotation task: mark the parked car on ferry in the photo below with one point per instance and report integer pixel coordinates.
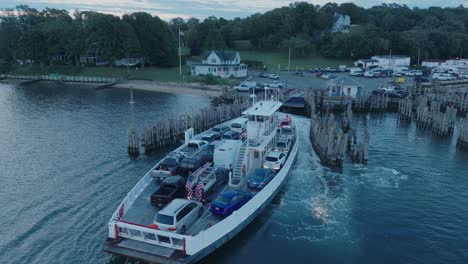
(283, 144)
(274, 160)
(210, 137)
(178, 216)
(170, 188)
(192, 146)
(287, 131)
(259, 178)
(220, 130)
(231, 135)
(239, 125)
(167, 167)
(230, 201)
(196, 160)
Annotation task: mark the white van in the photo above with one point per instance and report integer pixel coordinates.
(239, 125)
(356, 71)
(225, 153)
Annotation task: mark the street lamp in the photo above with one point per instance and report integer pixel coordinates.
(350, 57)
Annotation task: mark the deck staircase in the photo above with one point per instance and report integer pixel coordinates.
(236, 178)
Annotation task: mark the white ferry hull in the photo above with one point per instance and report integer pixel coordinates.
(199, 246)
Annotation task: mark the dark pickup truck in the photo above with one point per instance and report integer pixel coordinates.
(172, 187)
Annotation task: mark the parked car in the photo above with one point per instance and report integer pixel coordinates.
(170, 188)
(230, 201)
(220, 130)
(274, 76)
(275, 84)
(283, 144)
(443, 77)
(210, 137)
(319, 74)
(178, 216)
(418, 73)
(356, 71)
(369, 74)
(421, 79)
(192, 146)
(259, 178)
(463, 76)
(328, 76)
(196, 160)
(287, 131)
(231, 135)
(167, 167)
(263, 75)
(274, 160)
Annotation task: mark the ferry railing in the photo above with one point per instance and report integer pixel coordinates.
(149, 235)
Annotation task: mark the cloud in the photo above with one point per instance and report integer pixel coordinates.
(167, 9)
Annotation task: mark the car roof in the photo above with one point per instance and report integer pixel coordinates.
(274, 154)
(174, 206)
(230, 193)
(172, 179)
(283, 139)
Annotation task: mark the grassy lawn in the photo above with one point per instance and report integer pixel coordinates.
(273, 59)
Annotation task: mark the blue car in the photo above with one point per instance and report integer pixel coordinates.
(229, 201)
(258, 178)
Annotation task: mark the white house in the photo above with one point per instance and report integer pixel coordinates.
(385, 62)
(345, 87)
(224, 64)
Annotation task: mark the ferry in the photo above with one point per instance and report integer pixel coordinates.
(197, 219)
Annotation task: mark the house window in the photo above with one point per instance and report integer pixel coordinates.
(214, 69)
(213, 60)
(193, 68)
(226, 69)
(220, 68)
(349, 90)
(236, 68)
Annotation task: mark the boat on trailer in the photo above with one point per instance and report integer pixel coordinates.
(132, 233)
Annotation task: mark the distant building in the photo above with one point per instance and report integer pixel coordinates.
(433, 63)
(341, 23)
(384, 61)
(224, 64)
(366, 63)
(345, 87)
(93, 57)
(61, 57)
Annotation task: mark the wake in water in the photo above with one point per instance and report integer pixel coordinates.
(378, 176)
(315, 206)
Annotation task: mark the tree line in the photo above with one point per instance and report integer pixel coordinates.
(28, 33)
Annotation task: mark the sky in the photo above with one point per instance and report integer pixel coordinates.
(167, 9)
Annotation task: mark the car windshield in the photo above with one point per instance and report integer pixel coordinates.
(192, 145)
(235, 125)
(223, 200)
(164, 219)
(285, 123)
(216, 129)
(169, 162)
(281, 145)
(274, 159)
(286, 130)
(227, 136)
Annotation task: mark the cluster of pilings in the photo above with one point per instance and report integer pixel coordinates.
(328, 143)
(331, 143)
(405, 109)
(170, 131)
(359, 152)
(463, 134)
(133, 146)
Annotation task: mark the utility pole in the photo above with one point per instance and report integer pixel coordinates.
(419, 54)
(289, 60)
(180, 56)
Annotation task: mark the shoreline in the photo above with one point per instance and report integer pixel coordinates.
(151, 86)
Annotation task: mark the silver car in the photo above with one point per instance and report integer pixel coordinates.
(178, 215)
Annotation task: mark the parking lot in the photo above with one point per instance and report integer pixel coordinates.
(308, 80)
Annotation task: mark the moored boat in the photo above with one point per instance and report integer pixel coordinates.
(216, 202)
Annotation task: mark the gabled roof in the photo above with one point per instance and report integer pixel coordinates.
(224, 55)
(368, 60)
